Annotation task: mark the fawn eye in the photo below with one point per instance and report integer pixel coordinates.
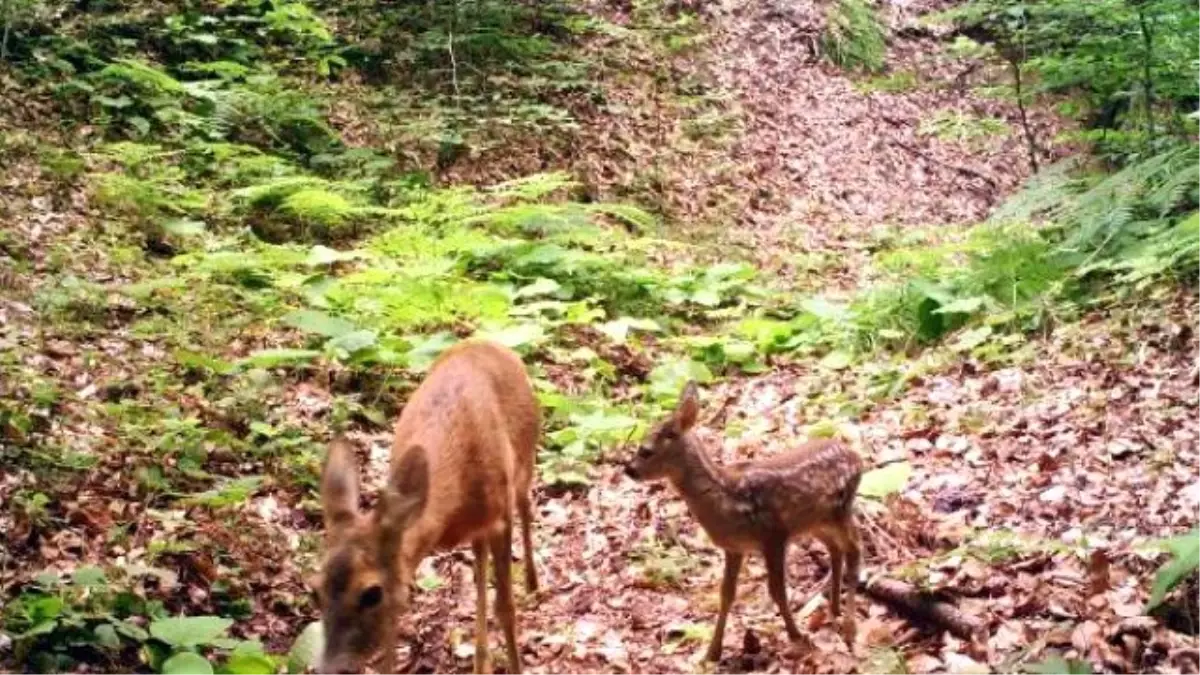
(370, 597)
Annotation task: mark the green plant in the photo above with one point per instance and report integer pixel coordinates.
(1132, 64)
(961, 127)
(662, 565)
(1185, 560)
(892, 83)
(14, 13)
(853, 37)
(60, 619)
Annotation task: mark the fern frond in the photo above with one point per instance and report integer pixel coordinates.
(1045, 196)
(531, 188)
(1178, 187)
(638, 220)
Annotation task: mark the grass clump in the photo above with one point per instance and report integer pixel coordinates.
(854, 37)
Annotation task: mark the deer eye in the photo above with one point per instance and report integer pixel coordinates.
(370, 597)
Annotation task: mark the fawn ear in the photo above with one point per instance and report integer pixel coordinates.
(688, 408)
(339, 487)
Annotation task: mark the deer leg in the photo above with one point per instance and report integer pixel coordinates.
(853, 558)
(482, 662)
(775, 554)
(733, 566)
(525, 506)
(836, 558)
(502, 560)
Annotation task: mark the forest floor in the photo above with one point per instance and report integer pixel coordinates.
(1036, 480)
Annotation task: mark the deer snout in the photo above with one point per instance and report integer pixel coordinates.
(631, 471)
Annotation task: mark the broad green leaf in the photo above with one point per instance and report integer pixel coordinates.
(141, 124)
(352, 343)
(89, 577)
(307, 648)
(970, 339)
(45, 608)
(320, 323)
(617, 330)
(189, 631)
(885, 480)
(540, 286)
(837, 360)
(425, 349)
(963, 305)
(706, 297)
(106, 636)
(41, 628)
(667, 380)
(187, 663)
(131, 631)
(515, 336)
(323, 255)
(1185, 559)
(249, 663)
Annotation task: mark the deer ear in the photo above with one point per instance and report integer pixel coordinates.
(339, 487)
(408, 489)
(402, 502)
(688, 408)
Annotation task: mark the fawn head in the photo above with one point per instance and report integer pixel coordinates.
(662, 449)
(364, 584)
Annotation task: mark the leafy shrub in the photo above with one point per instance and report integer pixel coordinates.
(58, 620)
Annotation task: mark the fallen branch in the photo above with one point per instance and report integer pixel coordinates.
(917, 604)
(962, 170)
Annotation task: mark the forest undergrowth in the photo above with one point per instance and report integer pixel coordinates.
(234, 230)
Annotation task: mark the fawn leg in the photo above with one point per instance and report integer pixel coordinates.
(835, 572)
(526, 508)
(482, 662)
(853, 558)
(733, 566)
(775, 553)
(502, 561)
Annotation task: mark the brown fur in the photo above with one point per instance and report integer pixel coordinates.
(462, 462)
(759, 506)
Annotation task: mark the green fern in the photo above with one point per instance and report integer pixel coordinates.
(316, 206)
(1047, 194)
(531, 188)
(854, 37)
(141, 75)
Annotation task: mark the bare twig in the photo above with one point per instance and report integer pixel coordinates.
(962, 170)
(453, 59)
(453, 65)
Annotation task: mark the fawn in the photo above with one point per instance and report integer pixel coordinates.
(461, 461)
(758, 506)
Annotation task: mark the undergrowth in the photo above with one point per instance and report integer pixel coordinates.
(853, 37)
(259, 249)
